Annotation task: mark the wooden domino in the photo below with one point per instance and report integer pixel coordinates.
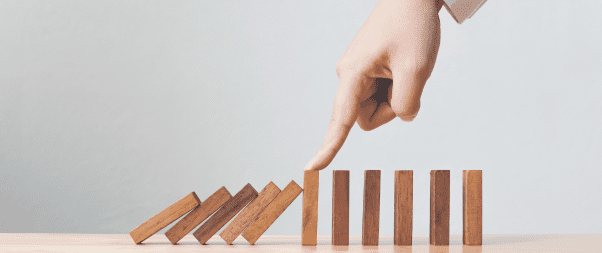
(472, 207)
(165, 217)
(250, 213)
(309, 225)
(198, 215)
(371, 217)
(402, 233)
(340, 207)
(272, 212)
(225, 214)
(439, 225)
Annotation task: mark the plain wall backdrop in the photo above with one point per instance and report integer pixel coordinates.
(110, 111)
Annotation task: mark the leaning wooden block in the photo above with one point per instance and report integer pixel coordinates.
(371, 218)
(225, 213)
(272, 212)
(165, 217)
(439, 227)
(309, 225)
(402, 234)
(340, 207)
(250, 213)
(198, 215)
(472, 208)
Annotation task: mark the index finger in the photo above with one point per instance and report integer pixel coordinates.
(344, 113)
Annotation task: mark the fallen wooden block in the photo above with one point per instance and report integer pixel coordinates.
(340, 207)
(198, 215)
(404, 185)
(272, 212)
(225, 214)
(309, 225)
(472, 208)
(371, 218)
(439, 226)
(165, 217)
(250, 213)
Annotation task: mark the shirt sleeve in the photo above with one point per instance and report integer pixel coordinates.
(462, 9)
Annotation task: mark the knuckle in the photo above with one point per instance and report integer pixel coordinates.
(406, 109)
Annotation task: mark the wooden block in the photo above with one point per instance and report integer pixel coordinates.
(272, 212)
(439, 227)
(472, 208)
(165, 217)
(250, 213)
(370, 221)
(309, 226)
(198, 215)
(225, 213)
(402, 233)
(340, 207)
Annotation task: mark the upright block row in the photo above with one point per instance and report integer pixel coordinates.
(403, 207)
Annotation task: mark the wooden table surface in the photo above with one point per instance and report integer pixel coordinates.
(160, 243)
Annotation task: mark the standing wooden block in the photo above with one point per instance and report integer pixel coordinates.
(198, 215)
(439, 227)
(309, 226)
(340, 207)
(165, 217)
(272, 212)
(250, 213)
(404, 188)
(370, 222)
(472, 208)
(225, 214)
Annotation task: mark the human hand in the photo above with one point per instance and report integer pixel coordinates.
(383, 71)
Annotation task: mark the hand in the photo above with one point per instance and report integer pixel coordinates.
(383, 71)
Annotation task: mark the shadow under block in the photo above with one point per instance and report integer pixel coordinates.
(340, 207)
(225, 213)
(250, 213)
(309, 226)
(370, 221)
(439, 225)
(198, 215)
(165, 217)
(272, 212)
(472, 207)
(402, 231)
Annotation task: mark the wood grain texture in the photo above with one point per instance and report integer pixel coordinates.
(272, 212)
(340, 207)
(250, 213)
(198, 215)
(225, 214)
(403, 215)
(371, 218)
(439, 225)
(309, 225)
(165, 217)
(472, 207)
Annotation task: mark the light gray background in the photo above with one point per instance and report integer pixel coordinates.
(112, 110)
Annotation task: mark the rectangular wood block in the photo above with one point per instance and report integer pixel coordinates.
(272, 212)
(404, 190)
(309, 226)
(165, 217)
(225, 213)
(371, 218)
(472, 208)
(439, 226)
(198, 215)
(250, 213)
(340, 207)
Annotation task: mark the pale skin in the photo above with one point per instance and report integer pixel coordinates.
(383, 71)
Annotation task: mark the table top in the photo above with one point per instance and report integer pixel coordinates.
(160, 243)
